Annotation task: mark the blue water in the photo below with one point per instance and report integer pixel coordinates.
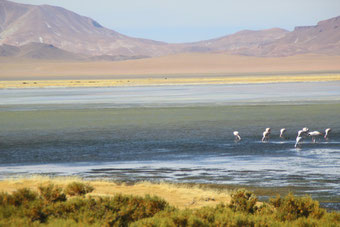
(179, 134)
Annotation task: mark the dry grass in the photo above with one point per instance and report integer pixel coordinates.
(178, 196)
(169, 81)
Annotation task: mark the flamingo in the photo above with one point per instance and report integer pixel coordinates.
(237, 136)
(314, 134)
(266, 134)
(282, 131)
(298, 141)
(303, 132)
(327, 131)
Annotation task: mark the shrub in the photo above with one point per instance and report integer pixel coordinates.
(131, 208)
(209, 213)
(77, 188)
(22, 196)
(180, 218)
(122, 210)
(292, 208)
(51, 193)
(264, 209)
(244, 201)
(37, 212)
(4, 198)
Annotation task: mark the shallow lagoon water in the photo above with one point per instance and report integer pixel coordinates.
(178, 95)
(182, 134)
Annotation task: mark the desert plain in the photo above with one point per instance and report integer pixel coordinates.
(190, 68)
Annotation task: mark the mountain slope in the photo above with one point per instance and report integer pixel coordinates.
(39, 51)
(323, 38)
(242, 42)
(9, 51)
(21, 24)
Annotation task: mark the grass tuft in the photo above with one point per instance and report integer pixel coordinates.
(78, 188)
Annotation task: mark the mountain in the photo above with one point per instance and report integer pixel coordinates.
(39, 51)
(23, 24)
(239, 43)
(9, 51)
(42, 51)
(323, 38)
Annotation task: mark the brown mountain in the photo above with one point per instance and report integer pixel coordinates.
(22, 24)
(39, 51)
(323, 38)
(242, 42)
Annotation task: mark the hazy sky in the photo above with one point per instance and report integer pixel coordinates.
(193, 20)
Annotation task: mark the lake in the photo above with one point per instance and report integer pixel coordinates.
(176, 133)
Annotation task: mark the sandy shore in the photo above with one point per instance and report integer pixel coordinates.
(169, 81)
(178, 196)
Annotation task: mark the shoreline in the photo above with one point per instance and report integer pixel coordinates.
(167, 81)
(180, 195)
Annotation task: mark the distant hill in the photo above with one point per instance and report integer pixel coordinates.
(38, 51)
(323, 38)
(41, 51)
(242, 43)
(23, 24)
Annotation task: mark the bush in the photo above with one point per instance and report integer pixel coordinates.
(25, 208)
(21, 196)
(52, 193)
(77, 188)
(244, 201)
(292, 208)
(37, 212)
(180, 218)
(131, 208)
(4, 198)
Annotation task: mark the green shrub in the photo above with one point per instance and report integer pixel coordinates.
(25, 208)
(37, 212)
(77, 188)
(130, 208)
(4, 198)
(244, 201)
(264, 209)
(208, 213)
(180, 218)
(52, 193)
(292, 208)
(22, 196)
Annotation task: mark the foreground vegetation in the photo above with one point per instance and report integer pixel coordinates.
(68, 206)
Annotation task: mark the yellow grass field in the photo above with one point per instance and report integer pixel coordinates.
(178, 196)
(168, 81)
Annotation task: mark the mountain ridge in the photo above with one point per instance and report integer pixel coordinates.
(22, 24)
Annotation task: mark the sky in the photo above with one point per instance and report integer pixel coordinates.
(194, 20)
